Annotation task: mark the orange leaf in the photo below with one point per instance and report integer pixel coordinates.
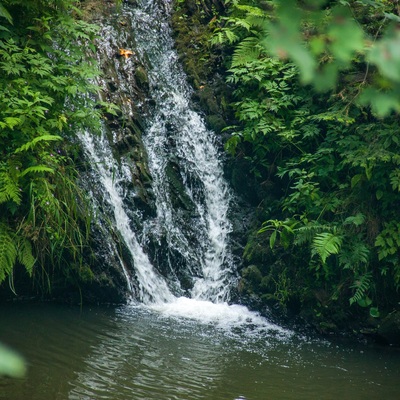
(126, 53)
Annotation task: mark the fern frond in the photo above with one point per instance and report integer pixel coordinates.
(230, 35)
(218, 38)
(25, 255)
(325, 244)
(252, 11)
(242, 23)
(12, 122)
(255, 19)
(43, 138)
(9, 190)
(357, 219)
(5, 14)
(395, 179)
(353, 254)
(305, 234)
(8, 252)
(37, 169)
(247, 51)
(362, 285)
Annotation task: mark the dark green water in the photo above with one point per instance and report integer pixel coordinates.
(134, 353)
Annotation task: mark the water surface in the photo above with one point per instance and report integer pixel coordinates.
(141, 353)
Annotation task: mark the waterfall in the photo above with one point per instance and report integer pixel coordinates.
(177, 134)
(152, 286)
(191, 197)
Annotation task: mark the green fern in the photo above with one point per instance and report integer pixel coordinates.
(357, 219)
(395, 179)
(36, 169)
(362, 285)
(224, 35)
(306, 233)
(9, 189)
(10, 122)
(354, 254)
(252, 11)
(5, 14)
(242, 23)
(325, 244)
(247, 51)
(30, 145)
(8, 252)
(230, 35)
(25, 255)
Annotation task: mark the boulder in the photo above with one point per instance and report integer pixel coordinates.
(389, 330)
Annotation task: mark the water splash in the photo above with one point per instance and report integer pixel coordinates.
(232, 319)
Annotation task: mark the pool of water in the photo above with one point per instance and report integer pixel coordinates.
(134, 352)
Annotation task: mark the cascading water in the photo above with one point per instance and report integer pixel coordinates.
(183, 247)
(177, 137)
(152, 287)
(190, 228)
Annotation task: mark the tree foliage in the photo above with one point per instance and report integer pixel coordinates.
(324, 40)
(317, 92)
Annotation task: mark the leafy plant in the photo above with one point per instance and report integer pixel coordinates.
(282, 230)
(325, 244)
(325, 41)
(45, 94)
(316, 126)
(362, 284)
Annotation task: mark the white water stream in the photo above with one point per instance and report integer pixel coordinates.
(153, 288)
(175, 137)
(179, 134)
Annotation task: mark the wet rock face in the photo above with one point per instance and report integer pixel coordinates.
(125, 83)
(123, 98)
(389, 330)
(192, 23)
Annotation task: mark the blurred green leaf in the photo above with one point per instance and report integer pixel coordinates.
(11, 363)
(346, 36)
(382, 103)
(374, 312)
(385, 55)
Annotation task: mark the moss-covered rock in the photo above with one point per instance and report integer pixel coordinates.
(176, 188)
(389, 330)
(193, 24)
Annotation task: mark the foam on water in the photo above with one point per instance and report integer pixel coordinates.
(221, 315)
